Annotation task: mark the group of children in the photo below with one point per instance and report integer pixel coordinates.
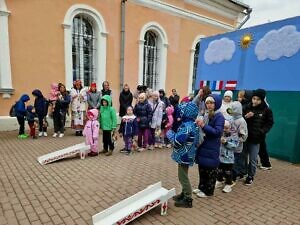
(224, 141)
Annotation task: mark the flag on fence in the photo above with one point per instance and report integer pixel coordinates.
(217, 85)
(204, 83)
(230, 85)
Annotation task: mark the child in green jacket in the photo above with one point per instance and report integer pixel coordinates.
(108, 124)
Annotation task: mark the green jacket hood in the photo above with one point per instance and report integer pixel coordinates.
(106, 98)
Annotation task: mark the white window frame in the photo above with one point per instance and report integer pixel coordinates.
(192, 54)
(100, 45)
(162, 45)
(5, 65)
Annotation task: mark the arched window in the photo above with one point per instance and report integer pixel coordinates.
(196, 55)
(150, 68)
(83, 50)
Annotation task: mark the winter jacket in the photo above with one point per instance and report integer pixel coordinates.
(260, 124)
(223, 110)
(29, 114)
(238, 125)
(143, 113)
(20, 106)
(129, 126)
(157, 113)
(91, 129)
(107, 92)
(176, 116)
(169, 112)
(79, 98)
(108, 117)
(208, 152)
(40, 103)
(62, 104)
(94, 99)
(228, 149)
(174, 100)
(125, 100)
(185, 140)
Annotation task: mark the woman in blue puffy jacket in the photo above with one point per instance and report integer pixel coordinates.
(208, 152)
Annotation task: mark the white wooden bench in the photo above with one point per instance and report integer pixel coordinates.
(131, 208)
(64, 153)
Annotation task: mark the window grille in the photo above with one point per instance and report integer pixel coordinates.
(196, 55)
(83, 50)
(150, 68)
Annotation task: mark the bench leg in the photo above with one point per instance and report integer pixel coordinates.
(164, 208)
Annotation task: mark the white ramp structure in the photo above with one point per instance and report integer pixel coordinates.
(64, 153)
(131, 208)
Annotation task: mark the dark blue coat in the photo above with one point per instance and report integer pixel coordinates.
(40, 103)
(128, 126)
(62, 105)
(209, 151)
(20, 106)
(30, 115)
(143, 113)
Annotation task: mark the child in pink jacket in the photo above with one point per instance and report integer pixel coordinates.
(168, 124)
(91, 131)
(53, 96)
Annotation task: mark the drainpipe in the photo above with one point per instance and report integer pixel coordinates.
(248, 12)
(122, 44)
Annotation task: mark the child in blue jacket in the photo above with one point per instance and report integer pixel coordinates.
(20, 109)
(184, 143)
(128, 129)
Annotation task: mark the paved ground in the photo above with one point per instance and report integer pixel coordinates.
(71, 191)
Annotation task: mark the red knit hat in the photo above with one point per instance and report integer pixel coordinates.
(93, 85)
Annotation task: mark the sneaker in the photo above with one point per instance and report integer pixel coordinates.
(45, 134)
(265, 167)
(22, 136)
(40, 134)
(123, 150)
(178, 197)
(249, 181)
(169, 146)
(184, 203)
(160, 146)
(141, 150)
(219, 184)
(151, 147)
(109, 153)
(227, 188)
(156, 146)
(129, 153)
(54, 135)
(196, 191)
(103, 151)
(34, 137)
(202, 195)
(61, 135)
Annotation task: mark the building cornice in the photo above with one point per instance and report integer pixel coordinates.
(184, 13)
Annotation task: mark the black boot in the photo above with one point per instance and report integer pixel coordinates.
(178, 197)
(80, 133)
(77, 133)
(184, 203)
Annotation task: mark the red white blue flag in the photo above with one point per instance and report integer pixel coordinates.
(217, 85)
(204, 83)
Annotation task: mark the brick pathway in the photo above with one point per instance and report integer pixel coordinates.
(71, 191)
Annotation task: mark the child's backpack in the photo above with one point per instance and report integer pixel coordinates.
(164, 121)
(12, 111)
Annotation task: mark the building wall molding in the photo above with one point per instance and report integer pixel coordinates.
(187, 14)
(192, 53)
(101, 40)
(163, 47)
(5, 66)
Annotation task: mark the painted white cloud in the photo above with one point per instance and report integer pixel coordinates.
(278, 43)
(219, 51)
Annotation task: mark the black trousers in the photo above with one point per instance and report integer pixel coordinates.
(21, 121)
(58, 121)
(208, 178)
(41, 122)
(263, 154)
(225, 171)
(107, 140)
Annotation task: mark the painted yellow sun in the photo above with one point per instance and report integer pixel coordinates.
(246, 40)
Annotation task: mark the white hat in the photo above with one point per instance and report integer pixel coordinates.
(209, 99)
(228, 94)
